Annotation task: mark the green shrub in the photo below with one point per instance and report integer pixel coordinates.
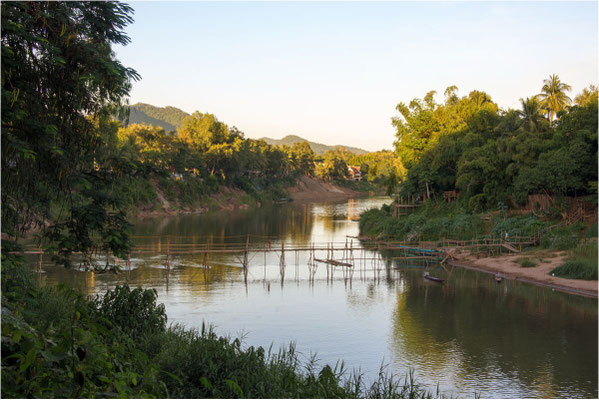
(577, 269)
(54, 345)
(526, 225)
(581, 263)
(526, 262)
(591, 231)
(562, 237)
(432, 221)
(134, 311)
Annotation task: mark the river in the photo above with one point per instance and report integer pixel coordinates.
(468, 336)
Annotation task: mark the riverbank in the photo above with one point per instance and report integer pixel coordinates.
(226, 199)
(509, 268)
(306, 189)
(557, 242)
(312, 189)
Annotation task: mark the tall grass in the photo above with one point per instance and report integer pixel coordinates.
(432, 222)
(581, 263)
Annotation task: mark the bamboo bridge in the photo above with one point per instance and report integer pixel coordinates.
(345, 255)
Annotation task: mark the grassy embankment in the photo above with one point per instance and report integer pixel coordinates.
(435, 221)
(192, 193)
(362, 186)
(56, 343)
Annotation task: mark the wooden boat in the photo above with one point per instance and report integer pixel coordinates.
(433, 278)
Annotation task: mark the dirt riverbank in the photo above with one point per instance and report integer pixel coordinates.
(306, 189)
(312, 189)
(226, 199)
(547, 260)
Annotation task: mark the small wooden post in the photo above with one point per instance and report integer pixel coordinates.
(39, 260)
(282, 263)
(245, 254)
(168, 254)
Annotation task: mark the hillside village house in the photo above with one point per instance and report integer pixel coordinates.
(354, 173)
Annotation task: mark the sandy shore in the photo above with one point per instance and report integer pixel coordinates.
(539, 275)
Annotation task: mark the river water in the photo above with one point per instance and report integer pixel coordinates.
(468, 336)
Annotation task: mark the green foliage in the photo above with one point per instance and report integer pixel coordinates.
(333, 166)
(553, 95)
(577, 269)
(378, 166)
(60, 85)
(562, 237)
(133, 311)
(318, 148)
(526, 262)
(491, 156)
(136, 191)
(432, 222)
(523, 225)
(592, 231)
(168, 118)
(588, 96)
(54, 345)
(580, 264)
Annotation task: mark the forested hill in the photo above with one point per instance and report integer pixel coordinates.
(317, 148)
(169, 118)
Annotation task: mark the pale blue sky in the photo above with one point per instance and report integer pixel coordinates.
(334, 72)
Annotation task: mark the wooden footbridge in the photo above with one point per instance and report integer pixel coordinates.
(355, 250)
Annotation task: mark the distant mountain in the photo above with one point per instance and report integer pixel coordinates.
(170, 118)
(318, 148)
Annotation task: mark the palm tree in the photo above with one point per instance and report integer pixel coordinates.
(553, 95)
(531, 114)
(510, 122)
(587, 96)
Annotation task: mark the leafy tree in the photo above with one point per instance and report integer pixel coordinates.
(587, 96)
(553, 96)
(423, 122)
(491, 157)
(302, 158)
(532, 120)
(202, 131)
(332, 167)
(60, 85)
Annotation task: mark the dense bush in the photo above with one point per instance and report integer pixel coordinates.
(431, 222)
(526, 225)
(134, 311)
(586, 270)
(526, 262)
(54, 345)
(562, 237)
(581, 263)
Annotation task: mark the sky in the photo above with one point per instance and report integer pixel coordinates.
(333, 72)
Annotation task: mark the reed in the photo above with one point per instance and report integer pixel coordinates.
(581, 263)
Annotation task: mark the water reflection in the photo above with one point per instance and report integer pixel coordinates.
(470, 331)
(468, 335)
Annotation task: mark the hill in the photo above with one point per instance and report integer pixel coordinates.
(169, 118)
(318, 148)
